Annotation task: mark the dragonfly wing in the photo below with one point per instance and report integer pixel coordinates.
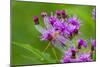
(47, 23)
(40, 29)
(58, 45)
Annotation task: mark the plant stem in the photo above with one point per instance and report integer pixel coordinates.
(46, 47)
(55, 53)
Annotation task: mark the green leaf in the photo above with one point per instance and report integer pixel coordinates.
(42, 57)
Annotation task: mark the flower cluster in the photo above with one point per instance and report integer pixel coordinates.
(74, 55)
(60, 29)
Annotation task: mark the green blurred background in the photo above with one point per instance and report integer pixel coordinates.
(26, 47)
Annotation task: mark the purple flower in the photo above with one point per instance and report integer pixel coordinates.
(73, 26)
(72, 29)
(54, 37)
(36, 20)
(94, 43)
(93, 47)
(58, 12)
(57, 29)
(64, 15)
(52, 20)
(47, 36)
(94, 13)
(82, 42)
(79, 57)
(67, 58)
(85, 58)
(70, 56)
(74, 20)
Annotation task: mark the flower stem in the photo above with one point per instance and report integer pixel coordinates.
(55, 53)
(46, 47)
